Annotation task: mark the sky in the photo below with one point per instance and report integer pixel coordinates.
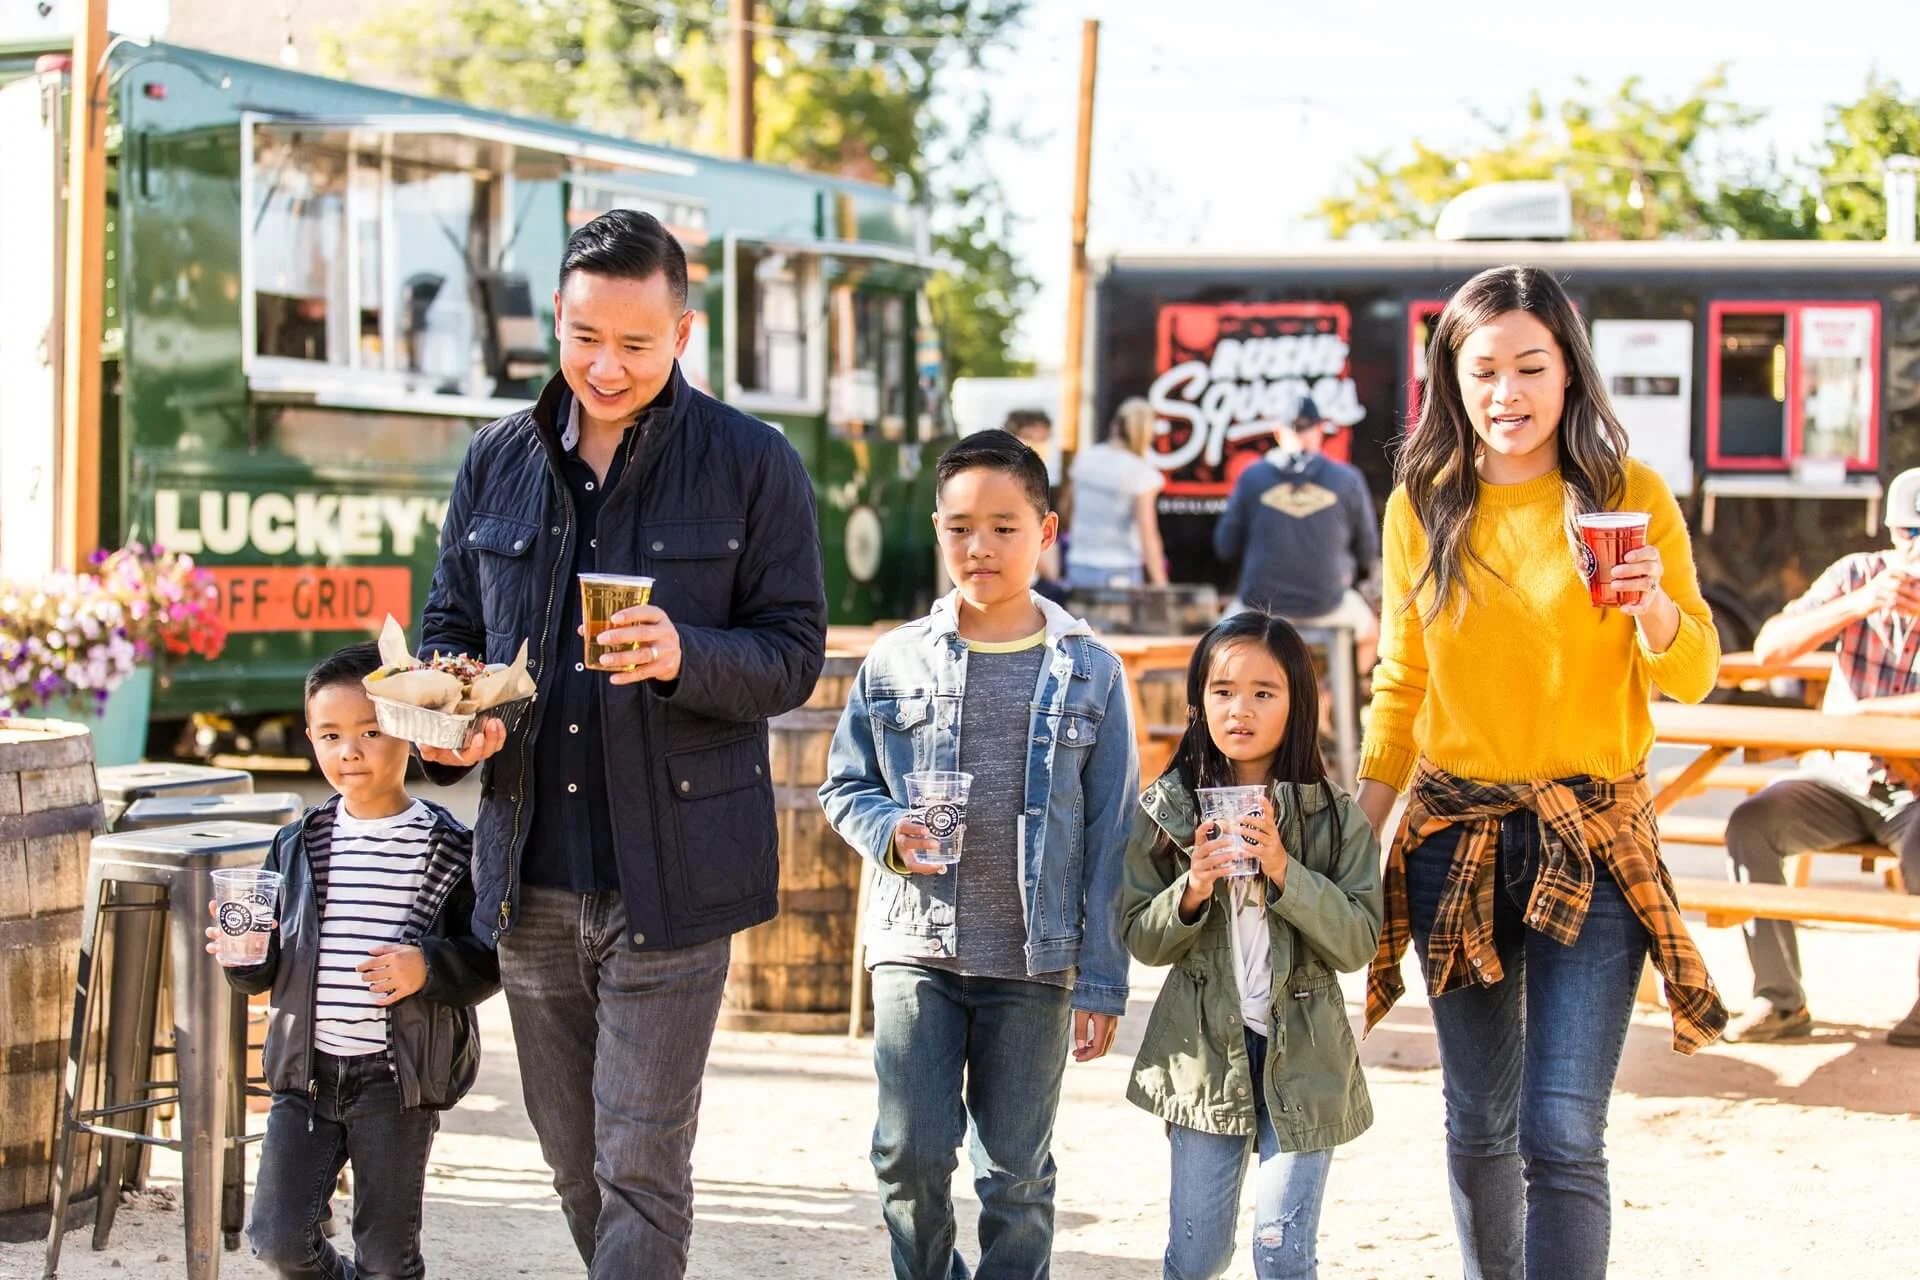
(1221, 123)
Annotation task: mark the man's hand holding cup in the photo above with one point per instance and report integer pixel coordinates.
(642, 644)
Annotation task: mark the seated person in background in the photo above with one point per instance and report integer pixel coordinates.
(1870, 603)
(1303, 528)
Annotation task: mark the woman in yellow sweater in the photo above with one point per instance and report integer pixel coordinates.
(1527, 869)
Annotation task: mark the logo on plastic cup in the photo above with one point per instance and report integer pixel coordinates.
(236, 919)
(942, 820)
(1588, 564)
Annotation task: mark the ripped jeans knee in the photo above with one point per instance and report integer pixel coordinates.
(1283, 1247)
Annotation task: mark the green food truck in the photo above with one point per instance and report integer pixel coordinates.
(316, 291)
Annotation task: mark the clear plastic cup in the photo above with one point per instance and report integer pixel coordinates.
(1230, 806)
(937, 799)
(245, 905)
(601, 596)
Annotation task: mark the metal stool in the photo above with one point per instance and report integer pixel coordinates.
(1343, 677)
(138, 981)
(209, 1059)
(121, 785)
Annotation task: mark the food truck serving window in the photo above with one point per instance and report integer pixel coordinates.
(1793, 380)
(867, 382)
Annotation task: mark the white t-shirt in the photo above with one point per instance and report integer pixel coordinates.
(373, 874)
(1252, 951)
(1107, 480)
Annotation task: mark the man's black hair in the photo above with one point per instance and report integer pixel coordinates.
(627, 245)
(1001, 451)
(350, 665)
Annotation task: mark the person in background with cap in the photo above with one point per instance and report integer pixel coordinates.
(1303, 528)
(1870, 603)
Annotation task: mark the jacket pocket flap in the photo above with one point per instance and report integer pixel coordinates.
(693, 539)
(900, 714)
(501, 535)
(711, 771)
(1072, 728)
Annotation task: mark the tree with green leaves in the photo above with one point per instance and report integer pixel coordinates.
(1638, 168)
(846, 87)
(1849, 201)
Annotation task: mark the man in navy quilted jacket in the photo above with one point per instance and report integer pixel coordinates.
(626, 826)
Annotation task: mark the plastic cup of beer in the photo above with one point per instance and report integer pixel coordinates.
(601, 596)
(1229, 807)
(1605, 539)
(244, 906)
(937, 800)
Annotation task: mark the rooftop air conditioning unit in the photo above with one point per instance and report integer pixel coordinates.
(1508, 211)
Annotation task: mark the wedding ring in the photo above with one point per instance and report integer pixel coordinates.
(653, 654)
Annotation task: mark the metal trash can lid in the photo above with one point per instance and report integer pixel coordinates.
(189, 841)
(276, 807)
(127, 782)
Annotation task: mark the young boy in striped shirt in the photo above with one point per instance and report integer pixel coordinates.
(375, 969)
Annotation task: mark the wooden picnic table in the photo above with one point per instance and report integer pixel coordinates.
(1813, 670)
(1723, 728)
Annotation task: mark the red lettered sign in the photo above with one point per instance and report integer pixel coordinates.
(312, 598)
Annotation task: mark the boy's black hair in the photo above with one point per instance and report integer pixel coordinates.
(627, 245)
(350, 665)
(1000, 451)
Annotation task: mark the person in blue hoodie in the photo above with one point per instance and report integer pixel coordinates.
(986, 973)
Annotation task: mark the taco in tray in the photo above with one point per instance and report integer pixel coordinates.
(452, 684)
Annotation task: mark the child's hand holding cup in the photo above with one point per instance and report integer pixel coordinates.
(243, 911)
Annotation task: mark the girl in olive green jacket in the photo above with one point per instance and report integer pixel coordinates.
(1248, 1046)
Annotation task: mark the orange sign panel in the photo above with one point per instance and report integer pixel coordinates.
(312, 598)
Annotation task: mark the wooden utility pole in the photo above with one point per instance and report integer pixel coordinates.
(1070, 371)
(86, 209)
(740, 74)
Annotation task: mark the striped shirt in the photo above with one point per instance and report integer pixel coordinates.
(367, 885)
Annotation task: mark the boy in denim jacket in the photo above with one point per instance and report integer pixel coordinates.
(984, 970)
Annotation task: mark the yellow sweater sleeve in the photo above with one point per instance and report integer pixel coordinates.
(1690, 666)
(1400, 679)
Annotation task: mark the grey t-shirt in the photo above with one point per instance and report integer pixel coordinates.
(990, 919)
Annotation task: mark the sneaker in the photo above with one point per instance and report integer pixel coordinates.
(1906, 1032)
(1764, 1021)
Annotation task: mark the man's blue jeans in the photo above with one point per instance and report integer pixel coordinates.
(949, 1050)
(1527, 1069)
(612, 1045)
(1288, 1190)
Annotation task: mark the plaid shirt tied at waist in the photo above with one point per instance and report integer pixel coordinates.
(1585, 822)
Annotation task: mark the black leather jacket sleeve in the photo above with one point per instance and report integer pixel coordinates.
(766, 662)
(462, 968)
(251, 980)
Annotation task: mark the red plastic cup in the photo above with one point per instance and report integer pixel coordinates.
(1605, 539)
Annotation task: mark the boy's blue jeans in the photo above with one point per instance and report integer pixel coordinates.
(950, 1050)
(355, 1115)
(1288, 1190)
(1527, 1068)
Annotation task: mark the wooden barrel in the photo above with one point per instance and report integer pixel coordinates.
(794, 973)
(49, 811)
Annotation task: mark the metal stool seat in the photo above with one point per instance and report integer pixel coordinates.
(136, 989)
(121, 785)
(209, 1058)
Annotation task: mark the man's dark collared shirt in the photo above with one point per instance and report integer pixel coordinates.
(572, 842)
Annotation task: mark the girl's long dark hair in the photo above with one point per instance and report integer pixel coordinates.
(1437, 463)
(1200, 763)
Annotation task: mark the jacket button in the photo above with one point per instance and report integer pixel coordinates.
(756, 771)
(519, 543)
(555, 530)
(733, 544)
(685, 787)
(639, 939)
(659, 546)
(473, 537)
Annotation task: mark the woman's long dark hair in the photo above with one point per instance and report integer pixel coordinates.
(1437, 463)
(1201, 763)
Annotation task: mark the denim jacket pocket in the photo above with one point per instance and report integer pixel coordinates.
(899, 722)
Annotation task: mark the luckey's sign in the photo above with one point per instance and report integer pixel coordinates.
(325, 533)
(1229, 373)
